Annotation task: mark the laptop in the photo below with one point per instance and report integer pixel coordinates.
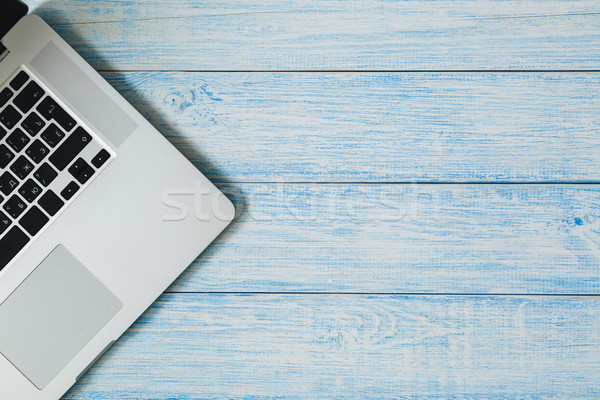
(99, 214)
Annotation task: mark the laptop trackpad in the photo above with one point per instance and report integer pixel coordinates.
(52, 315)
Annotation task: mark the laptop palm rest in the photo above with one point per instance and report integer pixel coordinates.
(52, 315)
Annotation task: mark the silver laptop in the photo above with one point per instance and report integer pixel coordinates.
(98, 212)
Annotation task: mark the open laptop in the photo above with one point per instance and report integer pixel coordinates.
(98, 212)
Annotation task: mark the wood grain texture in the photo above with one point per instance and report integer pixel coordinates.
(389, 127)
(342, 34)
(190, 346)
(329, 252)
(405, 238)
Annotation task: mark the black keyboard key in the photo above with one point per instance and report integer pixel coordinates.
(30, 190)
(45, 174)
(5, 96)
(10, 117)
(15, 206)
(33, 221)
(52, 111)
(33, 124)
(3, 132)
(19, 80)
(37, 151)
(11, 244)
(100, 158)
(70, 148)
(51, 203)
(17, 140)
(5, 156)
(86, 175)
(22, 167)
(53, 135)
(69, 191)
(78, 166)
(4, 222)
(8, 183)
(29, 97)
(81, 171)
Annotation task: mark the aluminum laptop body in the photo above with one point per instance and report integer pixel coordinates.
(99, 214)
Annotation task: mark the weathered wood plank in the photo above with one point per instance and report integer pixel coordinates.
(342, 34)
(437, 127)
(348, 347)
(405, 239)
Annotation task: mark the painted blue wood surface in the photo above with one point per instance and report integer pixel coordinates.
(375, 238)
(330, 34)
(373, 200)
(377, 127)
(195, 346)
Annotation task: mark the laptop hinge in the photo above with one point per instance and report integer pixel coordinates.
(11, 11)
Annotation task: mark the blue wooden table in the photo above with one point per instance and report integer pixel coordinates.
(417, 194)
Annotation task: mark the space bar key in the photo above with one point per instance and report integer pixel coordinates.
(11, 244)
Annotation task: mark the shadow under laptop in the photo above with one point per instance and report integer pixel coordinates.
(127, 83)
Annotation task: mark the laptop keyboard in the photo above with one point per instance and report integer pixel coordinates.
(46, 159)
